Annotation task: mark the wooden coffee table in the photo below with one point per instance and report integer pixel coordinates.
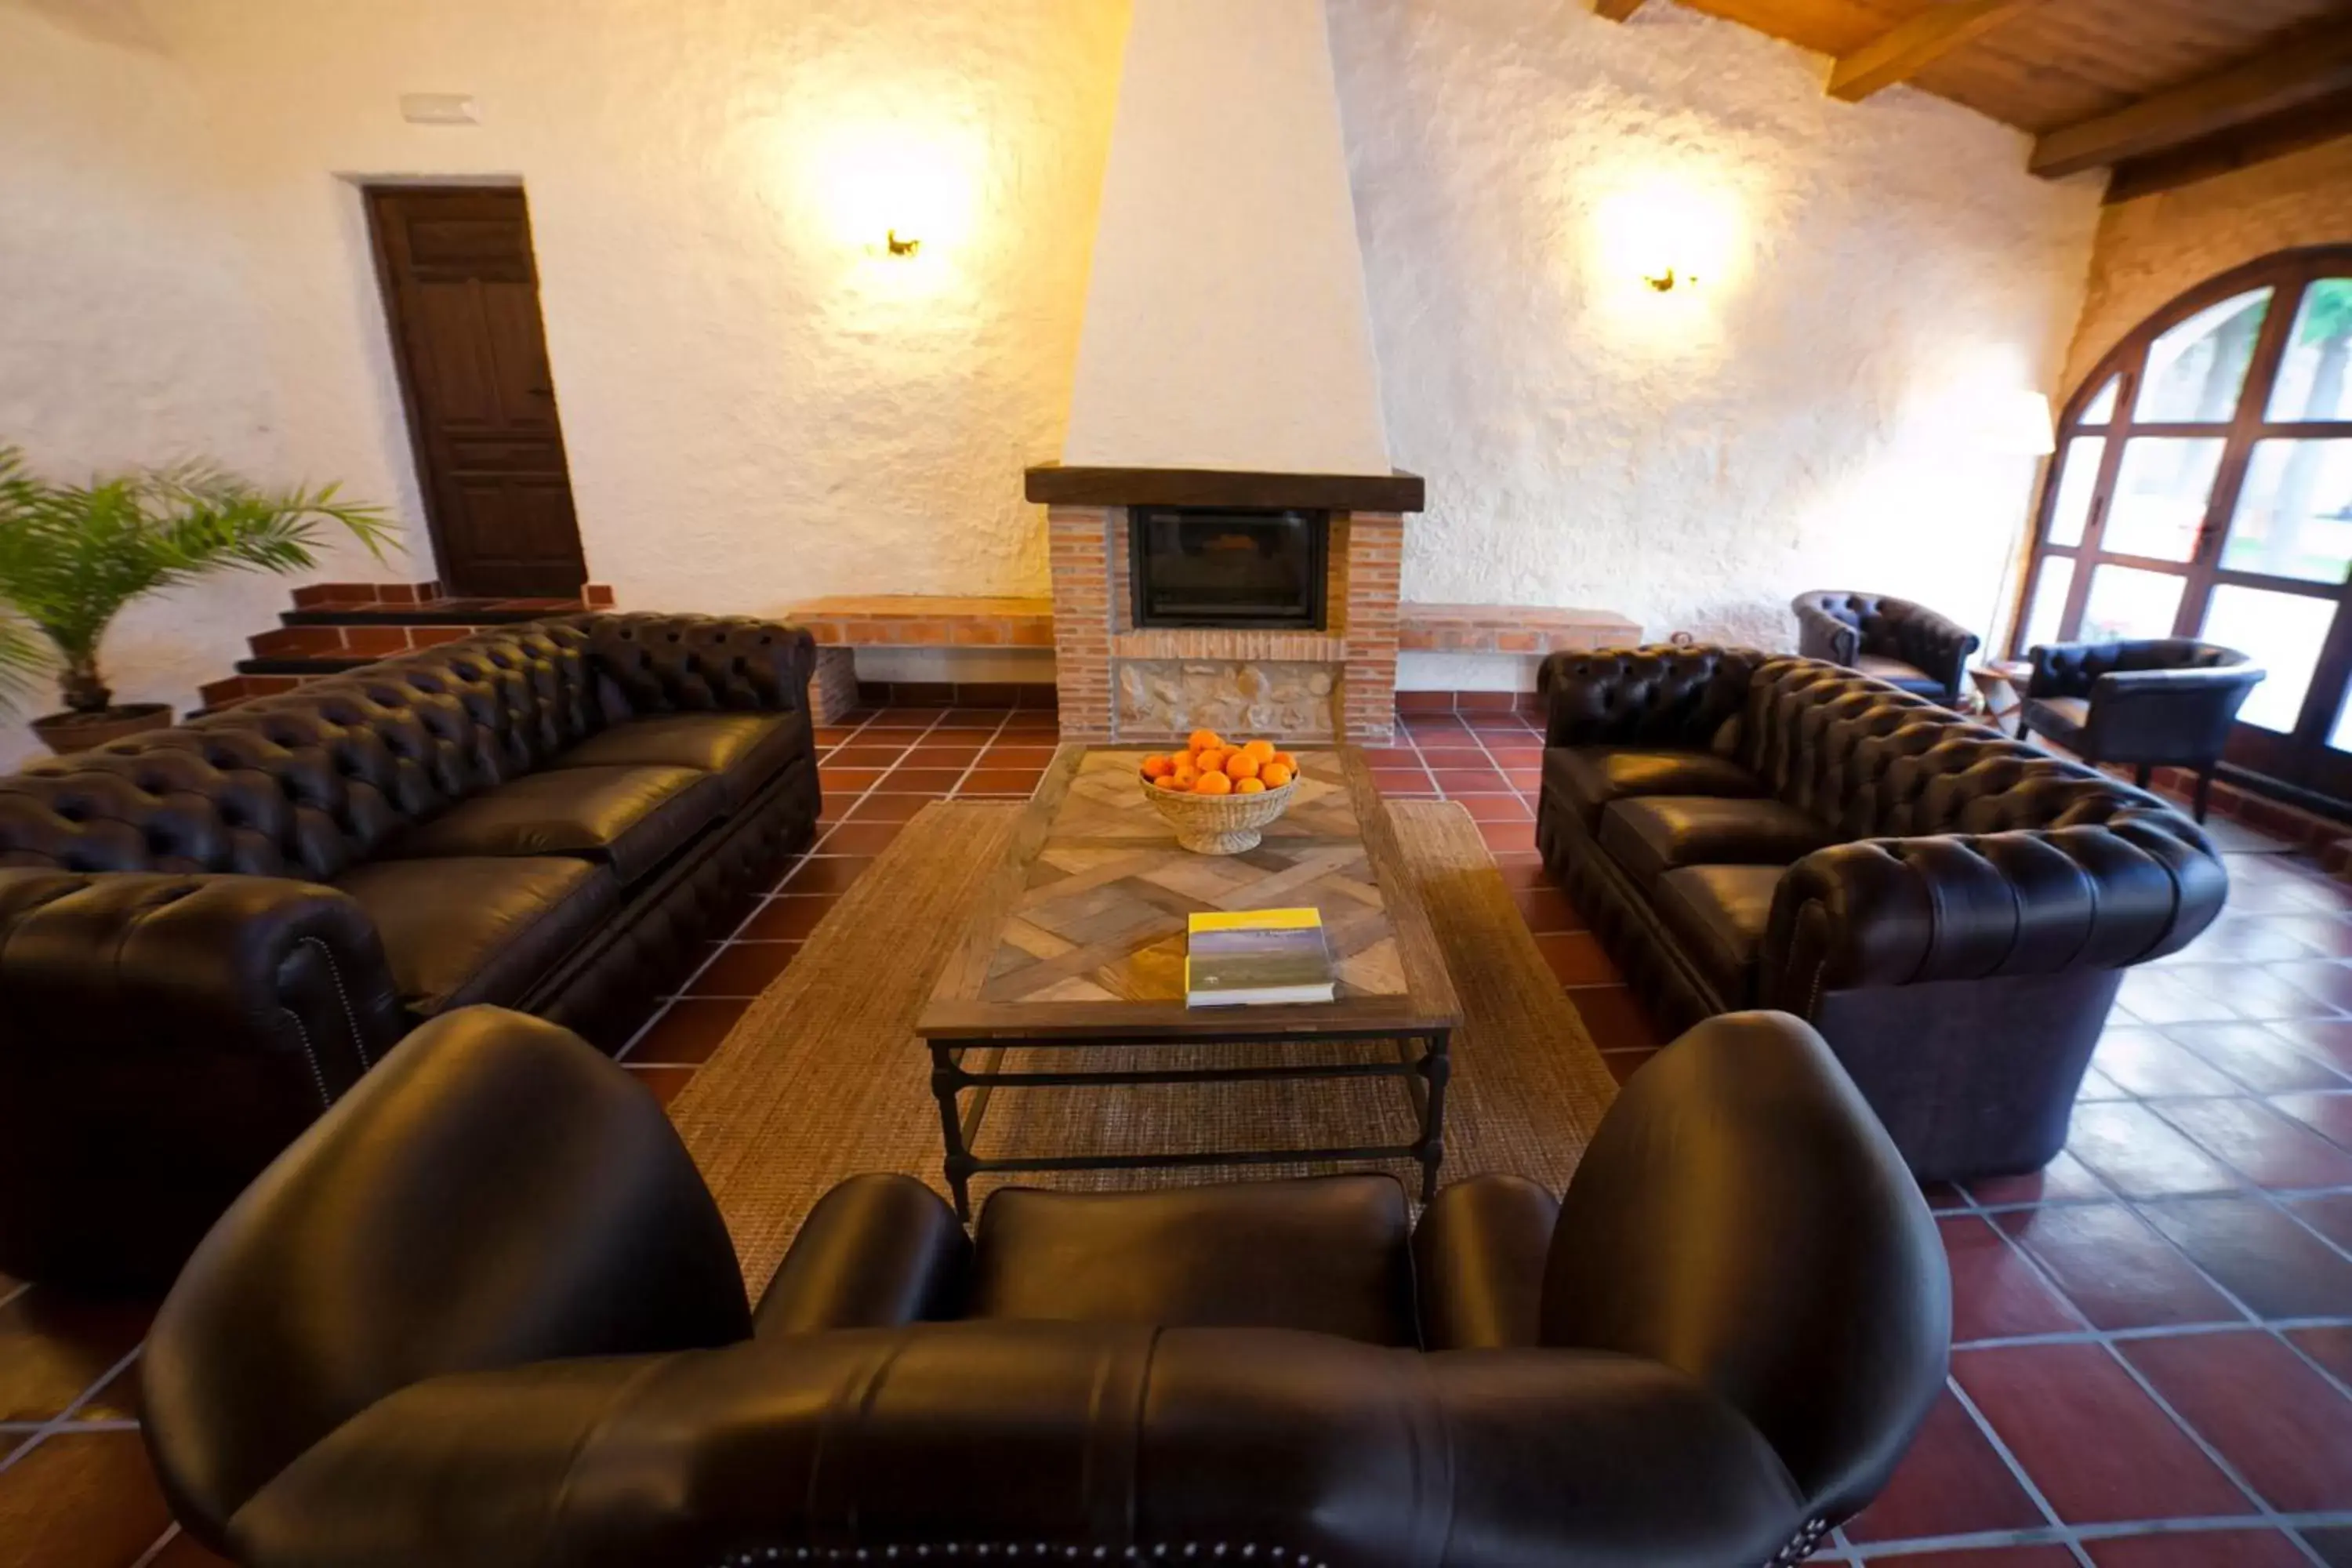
(1078, 941)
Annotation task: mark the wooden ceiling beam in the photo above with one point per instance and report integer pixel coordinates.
(1903, 51)
(1615, 10)
(2312, 68)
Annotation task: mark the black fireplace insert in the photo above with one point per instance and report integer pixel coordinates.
(1201, 567)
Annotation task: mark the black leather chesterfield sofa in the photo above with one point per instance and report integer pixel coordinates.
(1953, 910)
(2157, 699)
(208, 933)
(1892, 639)
(437, 1333)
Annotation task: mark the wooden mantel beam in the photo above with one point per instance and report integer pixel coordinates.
(1903, 51)
(1615, 10)
(2312, 68)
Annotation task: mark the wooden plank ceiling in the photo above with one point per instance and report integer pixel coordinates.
(2163, 91)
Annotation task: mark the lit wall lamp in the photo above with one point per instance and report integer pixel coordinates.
(1664, 282)
(902, 247)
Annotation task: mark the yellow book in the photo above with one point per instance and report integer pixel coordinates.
(1256, 958)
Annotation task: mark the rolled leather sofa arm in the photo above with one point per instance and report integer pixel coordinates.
(1820, 635)
(878, 1251)
(496, 1193)
(1662, 695)
(115, 959)
(1478, 1263)
(1901, 911)
(682, 663)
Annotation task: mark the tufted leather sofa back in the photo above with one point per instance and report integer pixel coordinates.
(1665, 695)
(312, 783)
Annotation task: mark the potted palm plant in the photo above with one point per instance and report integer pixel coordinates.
(71, 556)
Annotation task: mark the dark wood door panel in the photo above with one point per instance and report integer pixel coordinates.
(461, 294)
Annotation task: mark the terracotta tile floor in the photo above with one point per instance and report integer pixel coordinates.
(2154, 1334)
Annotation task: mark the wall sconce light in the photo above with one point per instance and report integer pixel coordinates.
(901, 246)
(1664, 282)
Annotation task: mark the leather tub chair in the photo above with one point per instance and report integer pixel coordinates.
(437, 1333)
(1889, 639)
(2156, 700)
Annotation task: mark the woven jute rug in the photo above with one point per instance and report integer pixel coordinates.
(822, 1077)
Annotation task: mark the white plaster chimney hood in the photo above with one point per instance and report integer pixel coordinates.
(1226, 326)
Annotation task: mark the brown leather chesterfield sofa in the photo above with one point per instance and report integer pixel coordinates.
(208, 933)
(437, 1333)
(1951, 908)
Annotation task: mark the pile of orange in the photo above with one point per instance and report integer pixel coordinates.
(1209, 766)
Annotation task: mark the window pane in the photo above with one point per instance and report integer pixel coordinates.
(2340, 736)
(2311, 377)
(2043, 617)
(2161, 495)
(2078, 481)
(2102, 407)
(2125, 602)
(2295, 514)
(2283, 633)
(2195, 371)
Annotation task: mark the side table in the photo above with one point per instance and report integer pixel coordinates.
(2000, 688)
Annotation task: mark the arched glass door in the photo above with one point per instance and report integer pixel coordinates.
(2204, 487)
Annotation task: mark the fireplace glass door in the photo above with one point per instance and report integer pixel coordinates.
(1245, 569)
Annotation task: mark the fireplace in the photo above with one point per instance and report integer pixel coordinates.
(1228, 567)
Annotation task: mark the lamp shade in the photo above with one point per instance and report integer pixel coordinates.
(2018, 424)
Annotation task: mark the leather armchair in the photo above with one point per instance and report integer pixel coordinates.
(2156, 700)
(438, 1333)
(1892, 639)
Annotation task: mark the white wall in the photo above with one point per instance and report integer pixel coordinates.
(1870, 276)
(1226, 322)
(124, 317)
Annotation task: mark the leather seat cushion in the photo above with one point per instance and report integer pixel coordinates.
(1324, 1254)
(2059, 717)
(745, 750)
(462, 931)
(1655, 834)
(1894, 672)
(632, 819)
(1589, 777)
(1718, 915)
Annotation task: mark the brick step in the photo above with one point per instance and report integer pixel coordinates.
(439, 613)
(311, 667)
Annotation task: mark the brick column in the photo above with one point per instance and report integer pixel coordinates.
(1079, 555)
(1374, 551)
(833, 690)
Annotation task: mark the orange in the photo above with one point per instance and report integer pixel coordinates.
(1250, 786)
(1286, 759)
(1203, 739)
(1260, 750)
(1275, 774)
(1166, 782)
(1213, 784)
(1212, 761)
(1158, 767)
(1185, 776)
(1240, 765)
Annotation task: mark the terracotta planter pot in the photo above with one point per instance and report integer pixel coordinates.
(67, 733)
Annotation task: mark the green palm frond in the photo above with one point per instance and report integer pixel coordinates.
(71, 556)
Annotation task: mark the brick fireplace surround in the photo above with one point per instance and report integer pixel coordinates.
(1120, 682)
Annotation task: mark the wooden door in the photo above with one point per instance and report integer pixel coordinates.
(461, 293)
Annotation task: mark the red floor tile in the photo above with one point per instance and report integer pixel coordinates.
(687, 1033)
(2200, 1549)
(1457, 781)
(2265, 1059)
(1950, 1483)
(1623, 1065)
(1996, 1293)
(2269, 1149)
(1614, 1018)
(933, 781)
(2249, 991)
(1001, 780)
(183, 1551)
(1989, 1557)
(82, 1499)
(2328, 981)
(2330, 1347)
(1495, 807)
(2282, 1426)
(2329, 1213)
(2328, 1039)
(929, 755)
(662, 1082)
(2140, 1155)
(743, 969)
(888, 808)
(2259, 1254)
(2066, 1180)
(1403, 783)
(2094, 1444)
(2116, 1269)
(848, 781)
(1548, 910)
(865, 756)
(2143, 1061)
(1577, 960)
(789, 918)
(2330, 1115)
(1392, 757)
(859, 839)
(1508, 838)
(2333, 1544)
(54, 1345)
(906, 718)
(1004, 756)
(826, 874)
(2153, 997)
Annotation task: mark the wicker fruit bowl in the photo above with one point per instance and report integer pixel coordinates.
(1220, 824)
(1218, 796)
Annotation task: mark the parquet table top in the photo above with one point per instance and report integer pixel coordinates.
(1084, 931)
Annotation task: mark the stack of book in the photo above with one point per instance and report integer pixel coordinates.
(1256, 958)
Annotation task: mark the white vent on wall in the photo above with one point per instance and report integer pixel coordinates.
(440, 108)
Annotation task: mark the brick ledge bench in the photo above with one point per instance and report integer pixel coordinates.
(1511, 630)
(847, 622)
